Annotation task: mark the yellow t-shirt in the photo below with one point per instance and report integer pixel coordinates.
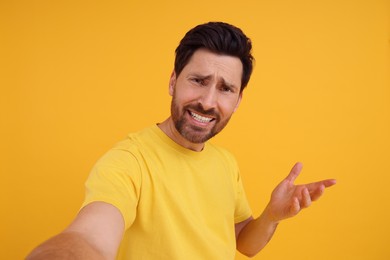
(176, 203)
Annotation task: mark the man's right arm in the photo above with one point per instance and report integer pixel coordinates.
(95, 234)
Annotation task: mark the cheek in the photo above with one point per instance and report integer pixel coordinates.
(184, 96)
(228, 107)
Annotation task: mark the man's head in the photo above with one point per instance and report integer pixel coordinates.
(220, 38)
(212, 67)
(205, 95)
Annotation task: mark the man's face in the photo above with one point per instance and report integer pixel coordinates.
(205, 95)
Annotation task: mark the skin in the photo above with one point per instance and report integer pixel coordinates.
(208, 86)
(287, 200)
(95, 233)
(204, 97)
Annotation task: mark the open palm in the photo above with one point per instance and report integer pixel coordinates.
(288, 199)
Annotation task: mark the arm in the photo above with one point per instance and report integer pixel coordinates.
(287, 200)
(95, 234)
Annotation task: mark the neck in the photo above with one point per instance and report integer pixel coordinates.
(168, 127)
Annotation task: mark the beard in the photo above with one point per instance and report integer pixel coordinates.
(193, 133)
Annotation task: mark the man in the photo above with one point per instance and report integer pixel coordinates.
(166, 193)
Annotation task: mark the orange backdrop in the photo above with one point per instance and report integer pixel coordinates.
(77, 76)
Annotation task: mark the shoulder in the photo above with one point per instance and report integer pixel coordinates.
(127, 151)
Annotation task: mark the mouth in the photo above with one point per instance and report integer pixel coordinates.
(200, 118)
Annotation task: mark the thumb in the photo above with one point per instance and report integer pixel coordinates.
(295, 171)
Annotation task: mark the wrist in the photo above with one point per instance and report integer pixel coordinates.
(269, 216)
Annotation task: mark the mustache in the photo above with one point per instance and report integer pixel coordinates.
(200, 109)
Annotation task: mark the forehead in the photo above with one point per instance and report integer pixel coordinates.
(219, 66)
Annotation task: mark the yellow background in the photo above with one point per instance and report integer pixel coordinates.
(77, 76)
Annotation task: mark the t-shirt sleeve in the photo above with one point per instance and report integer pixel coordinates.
(242, 209)
(115, 179)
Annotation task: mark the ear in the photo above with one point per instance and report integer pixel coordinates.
(238, 102)
(172, 83)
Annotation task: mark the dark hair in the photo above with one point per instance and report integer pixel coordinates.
(218, 37)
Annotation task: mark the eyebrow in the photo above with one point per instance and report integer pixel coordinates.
(207, 77)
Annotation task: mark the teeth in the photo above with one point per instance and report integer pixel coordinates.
(200, 118)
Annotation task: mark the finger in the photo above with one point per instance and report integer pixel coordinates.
(294, 172)
(315, 185)
(306, 199)
(329, 182)
(295, 207)
(317, 193)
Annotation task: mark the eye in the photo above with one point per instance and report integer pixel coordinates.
(227, 89)
(198, 81)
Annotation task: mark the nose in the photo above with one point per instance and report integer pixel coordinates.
(209, 98)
